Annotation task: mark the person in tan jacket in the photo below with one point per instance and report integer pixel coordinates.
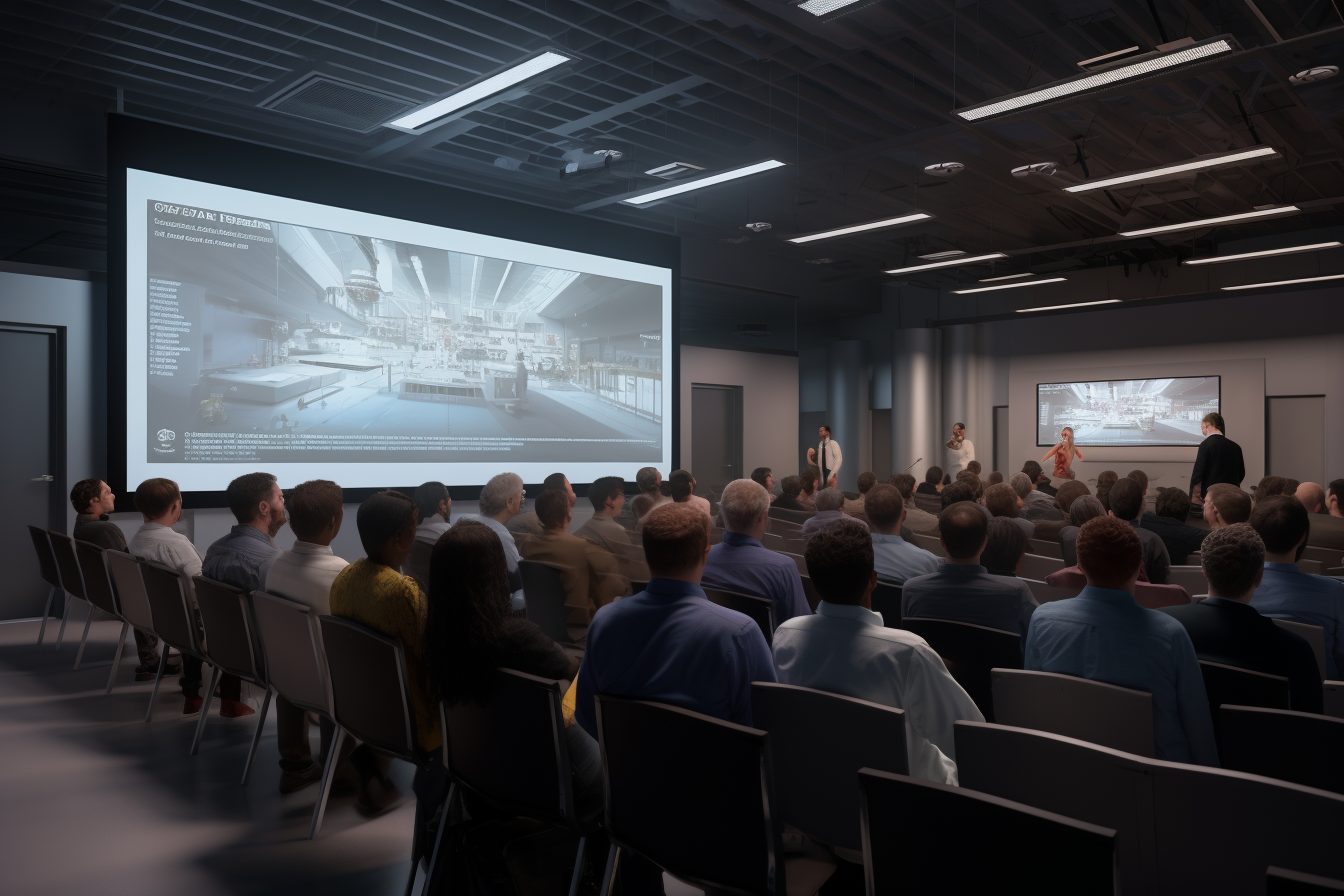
(590, 575)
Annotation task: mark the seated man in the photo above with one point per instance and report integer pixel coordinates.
(1288, 593)
(1104, 635)
(434, 505)
(961, 589)
(792, 487)
(1225, 628)
(894, 558)
(829, 502)
(971, 481)
(608, 497)
(1065, 495)
(741, 563)
(683, 492)
(1173, 509)
(763, 477)
(963, 490)
(1005, 503)
(1327, 525)
(1005, 547)
(526, 522)
(304, 574)
(1226, 505)
(1083, 509)
(590, 575)
(807, 497)
(1127, 506)
(919, 521)
(501, 500)
(855, 505)
(1036, 504)
(649, 482)
(845, 649)
(933, 479)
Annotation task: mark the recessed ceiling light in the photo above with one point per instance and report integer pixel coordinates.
(1006, 277)
(1241, 256)
(1108, 57)
(859, 228)
(944, 169)
(1070, 305)
(1197, 164)
(1047, 169)
(1286, 282)
(972, 259)
(1310, 75)
(1141, 67)
(1209, 222)
(936, 256)
(481, 89)
(827, 10)
(702, 182)
(960, 292)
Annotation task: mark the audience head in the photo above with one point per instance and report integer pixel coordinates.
(92, 497)
(973, 481)
(1225, 505)
(676, 542)
(1126, 499)
(1312, 497)
(995, 478)
(1084, 508)
(159, 500)
(502, 494)
(1334, 498)
(315, 511)
(1106, 480)
(956, 493)
(884, 506)
(830, 499)
(947, 480)
(744, 506)
(432, 499)
(866, 482)
(607, 494)
(1233, 561)
(1282, 524)
(810, 476)
(791, 486)
(559, 482)
(904, 483)
(933, 475)
(648, 479)
(1001, 499)
(553, 510)
(1272, 486)
(683, 485)
(974, 467)
(468, 608)
(840, 562)
(386, 523)
(1109, 553)
(255, 499)
(1212, 421)
(1021, 485)
(1005, 546)
(1069, 492)
(1141, 478)
(1173, 503)
(763, 477)
(1032, 469)
(963, 528)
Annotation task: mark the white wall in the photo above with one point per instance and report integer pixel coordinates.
(769, 400)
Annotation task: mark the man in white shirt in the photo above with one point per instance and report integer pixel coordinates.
(304, 575)
(895, 558)
(962, 449)
(435, 505)
(500, 502)
(826, 456)
(845, 649)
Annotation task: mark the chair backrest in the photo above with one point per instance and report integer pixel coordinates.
(772, 541)
(97, 583)
(63, 548)
(1044, 592)
(1191, 578)
(511, 750)
(226, 616)
(810, 592)
(1328, 556)
(545, 597)
(793, 516)
(929, 503)
(1301, 747)
(46, 560)
(1154, 597)
(132, 600)
(909, 847)
(1314, 635)
(715, 535)
(783, 527)
(370, 695)
(931, 543)
(296, 665)
(1042, 548)
(1241, 687)
(799, 561)
(693, 794)
(761, 610)
(1034, 566)
(170, 606)
(887, 601)
(970, 652)
(1282, 882)
(417, 562)
(1312, 567)
(818, 742)
(1099, 713)
(1334, 699)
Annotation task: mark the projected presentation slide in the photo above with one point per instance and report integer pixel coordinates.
(1126, 412)
(306, 340)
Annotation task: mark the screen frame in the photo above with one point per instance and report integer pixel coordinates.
(202, 156)
(1189, 376)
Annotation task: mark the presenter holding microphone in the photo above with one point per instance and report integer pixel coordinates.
(826, 456)
(963, 450)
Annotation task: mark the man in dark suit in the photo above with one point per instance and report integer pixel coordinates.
(792, 486)
(1225, 628)
(1219, 458)
(1173, 509)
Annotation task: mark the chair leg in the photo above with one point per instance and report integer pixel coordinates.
(205, 709)
(46, 612)
(79, 654)
(158, 679)
(612, 855)
(256, 736)
(578, 868)
(65, 617)
(116, 658)
(438, 837)
(328, 776)
(410, 881)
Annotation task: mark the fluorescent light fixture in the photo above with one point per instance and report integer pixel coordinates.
(1142, 67)
(1198, 164)
(1070, 305)
(1287, 282)
(1105, 56)
(939, 256)
(826, 10)
(482, 88)
(962, 292)
(972, 259)
(1264, 253)
(859, 228)
(1209, 222)
(1006, 277)
(686, 186)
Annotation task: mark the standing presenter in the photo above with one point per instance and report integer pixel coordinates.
(963, 450)
(826, 456)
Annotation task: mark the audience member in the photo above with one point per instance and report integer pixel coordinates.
(1065, 495)
(1272, 487)
(807, 497)
(846, 649)
(763, 477)
(961, 589)
(1044, 487)
(896, 559)
(1219, 459)
(1003, 502)
(590, 575)
(972, 481)
(1084, 508)
(527, 522)
(829, 502)
(435, 506)
(1225, 628)
(741, 563)
(1141, 478)
(933, 478)
(1105, 480)
(1334, 499)
(649, 482)
(1288, 593)
(1104, 635)
(501, 500)
(947, 480)
(608, 497)
(1005, 546)
(1226, 505)
(1327, 520)
(1127, 505)
(683, 492)
(1036, 504)
(1173, 509)
(961, 491)
(1040, 482)
(304, 574)
(975, 467)
(995, 478)
(791, 486)
(855, 505)
(920, 521)
(1312, 497)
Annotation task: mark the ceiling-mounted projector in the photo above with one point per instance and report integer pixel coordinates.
(944, 169)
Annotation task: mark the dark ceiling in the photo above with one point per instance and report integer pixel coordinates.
(857, 107)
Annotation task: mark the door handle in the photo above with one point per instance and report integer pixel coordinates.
(45, 477)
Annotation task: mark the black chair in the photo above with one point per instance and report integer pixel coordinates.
(922, 837)
(101, 595)
(695, 795)
(174, 622)
(810, 593)
(1334, 699)
(1301, 747)
(887, 601)
(761, 610)
(72, 581)
(128, 581)
(232, 645)
(1235, 686)
(1094, 711)
(1282, 882)
(970, 652)
(46, 566)
(545, 596)
(818, 742)
(417, 562)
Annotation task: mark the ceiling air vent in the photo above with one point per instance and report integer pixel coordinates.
(338, 103)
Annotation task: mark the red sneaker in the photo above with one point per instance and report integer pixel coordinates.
(191, 706)
(234, 709)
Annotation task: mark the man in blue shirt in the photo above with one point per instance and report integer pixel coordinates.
(741, 563)
(895, 558)
(1288, 593)
(1104, 635)
(830, 504)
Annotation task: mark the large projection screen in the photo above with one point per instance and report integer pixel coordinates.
(1153, 412)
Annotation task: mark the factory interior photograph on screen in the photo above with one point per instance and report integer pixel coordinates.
(1127, 412)
(268, 340)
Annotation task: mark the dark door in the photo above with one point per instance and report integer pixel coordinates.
(1002, 462)
(29, 454)
(716, 435)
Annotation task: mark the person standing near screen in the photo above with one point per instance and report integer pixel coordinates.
(1064, 453)
(963, 450)
(826, 456)
(1219, 458)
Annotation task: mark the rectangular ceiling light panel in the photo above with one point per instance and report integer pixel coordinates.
(828, 10)
(1199, 164)
(1006, 277)
(1106, 57)
(1210, 222)
(962, 292)
(698, 183)
(481, 89)
(1286, 282)
(1140, 68)
(1070, 305)
(859, 228)
(1264, 253)
(971, 259)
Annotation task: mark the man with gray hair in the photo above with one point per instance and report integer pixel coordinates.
(829, 504)
(1036, 505)
(501, 500)
(741, 563)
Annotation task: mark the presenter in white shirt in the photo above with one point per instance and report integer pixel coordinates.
(827, 456)
(961, 448)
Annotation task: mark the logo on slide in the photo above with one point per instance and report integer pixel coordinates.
(166, 436)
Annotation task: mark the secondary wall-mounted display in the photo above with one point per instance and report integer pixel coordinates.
(1120, 413)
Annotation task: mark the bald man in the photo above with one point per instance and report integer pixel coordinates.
(1327, 530)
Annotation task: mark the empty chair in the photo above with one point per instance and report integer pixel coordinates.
(1282, 882)
(545, 597)
(129, 583)
(1334, 699)
(931, 543)
(101, 594)
(174, 621)
(695, 795)
(1034, 566)
(818, 742)
(1301, 747)
(232, 646)
(970, 652)
(1241, 687)
(1043, 548)
(886, 601)
(761, 610)
(46, 565)
(1094, 711)
(1044, 592)
(1314, 635)
(72, 582)
(922, 837)
(1191, 578)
